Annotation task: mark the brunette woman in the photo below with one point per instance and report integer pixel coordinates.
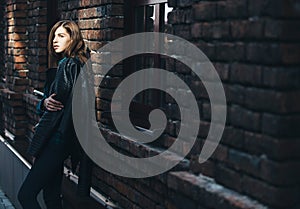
(55, 139)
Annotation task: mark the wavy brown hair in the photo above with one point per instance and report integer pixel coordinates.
(76, 48)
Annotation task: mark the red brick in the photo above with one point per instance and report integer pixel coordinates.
(20, 6)
(12, 29)
(19, 59)
(38, 4)
(17, 44)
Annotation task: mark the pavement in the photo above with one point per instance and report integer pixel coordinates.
(5, 202)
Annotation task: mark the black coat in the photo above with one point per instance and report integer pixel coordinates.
(61, 121)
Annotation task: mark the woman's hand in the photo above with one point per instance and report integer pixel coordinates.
(51, 104)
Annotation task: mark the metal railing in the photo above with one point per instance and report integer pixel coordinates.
(13, 170)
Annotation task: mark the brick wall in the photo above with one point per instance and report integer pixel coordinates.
(250, 44)
(36, 58)
(254, 46)
(37, 47)
(2, 49)
(16, 68)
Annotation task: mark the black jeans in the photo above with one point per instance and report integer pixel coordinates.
(46, 174)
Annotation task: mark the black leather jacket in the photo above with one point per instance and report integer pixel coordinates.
(61, 122)
(51, 122)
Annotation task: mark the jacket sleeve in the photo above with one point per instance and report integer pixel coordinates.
(39, 107)
(50, 76)
(65, 79)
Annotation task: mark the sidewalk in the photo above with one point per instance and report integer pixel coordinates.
(4, 201)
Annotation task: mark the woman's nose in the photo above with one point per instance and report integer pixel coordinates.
(54, 39)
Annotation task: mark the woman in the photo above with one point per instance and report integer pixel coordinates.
(55, 139)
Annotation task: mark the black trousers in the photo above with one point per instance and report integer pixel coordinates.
(46, 174)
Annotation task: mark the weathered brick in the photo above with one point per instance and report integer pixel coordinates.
(196, 30)
(230, 51)
(180, 16)
(281, 8)
(228, 177)
(263, 53)
(184, 3)
(234, 94)
(208, 194)
(244, 162)
(272, 101)
(232, 9)
(114, 10)
(204, 11)
(281, 78)
(182, 31)
(215, 30)
(257, 7)
(207, 48)
(243, 118)
(290, 53)
(246, 74)
(280, 173)
(222, 70)
(271, 195)
(273, 148)
(233, 137)
(280, 125)
(242, 29)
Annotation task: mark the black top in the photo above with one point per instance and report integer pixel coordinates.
(51, 122)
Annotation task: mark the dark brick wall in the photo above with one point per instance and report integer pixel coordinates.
(37, 58)
(2, 49)
(37, 47)
(254, 46)
(16, 68)
(250, 44)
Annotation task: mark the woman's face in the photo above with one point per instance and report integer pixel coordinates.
(61, 40)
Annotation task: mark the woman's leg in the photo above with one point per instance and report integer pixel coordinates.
(46, 168)
(52, 192)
